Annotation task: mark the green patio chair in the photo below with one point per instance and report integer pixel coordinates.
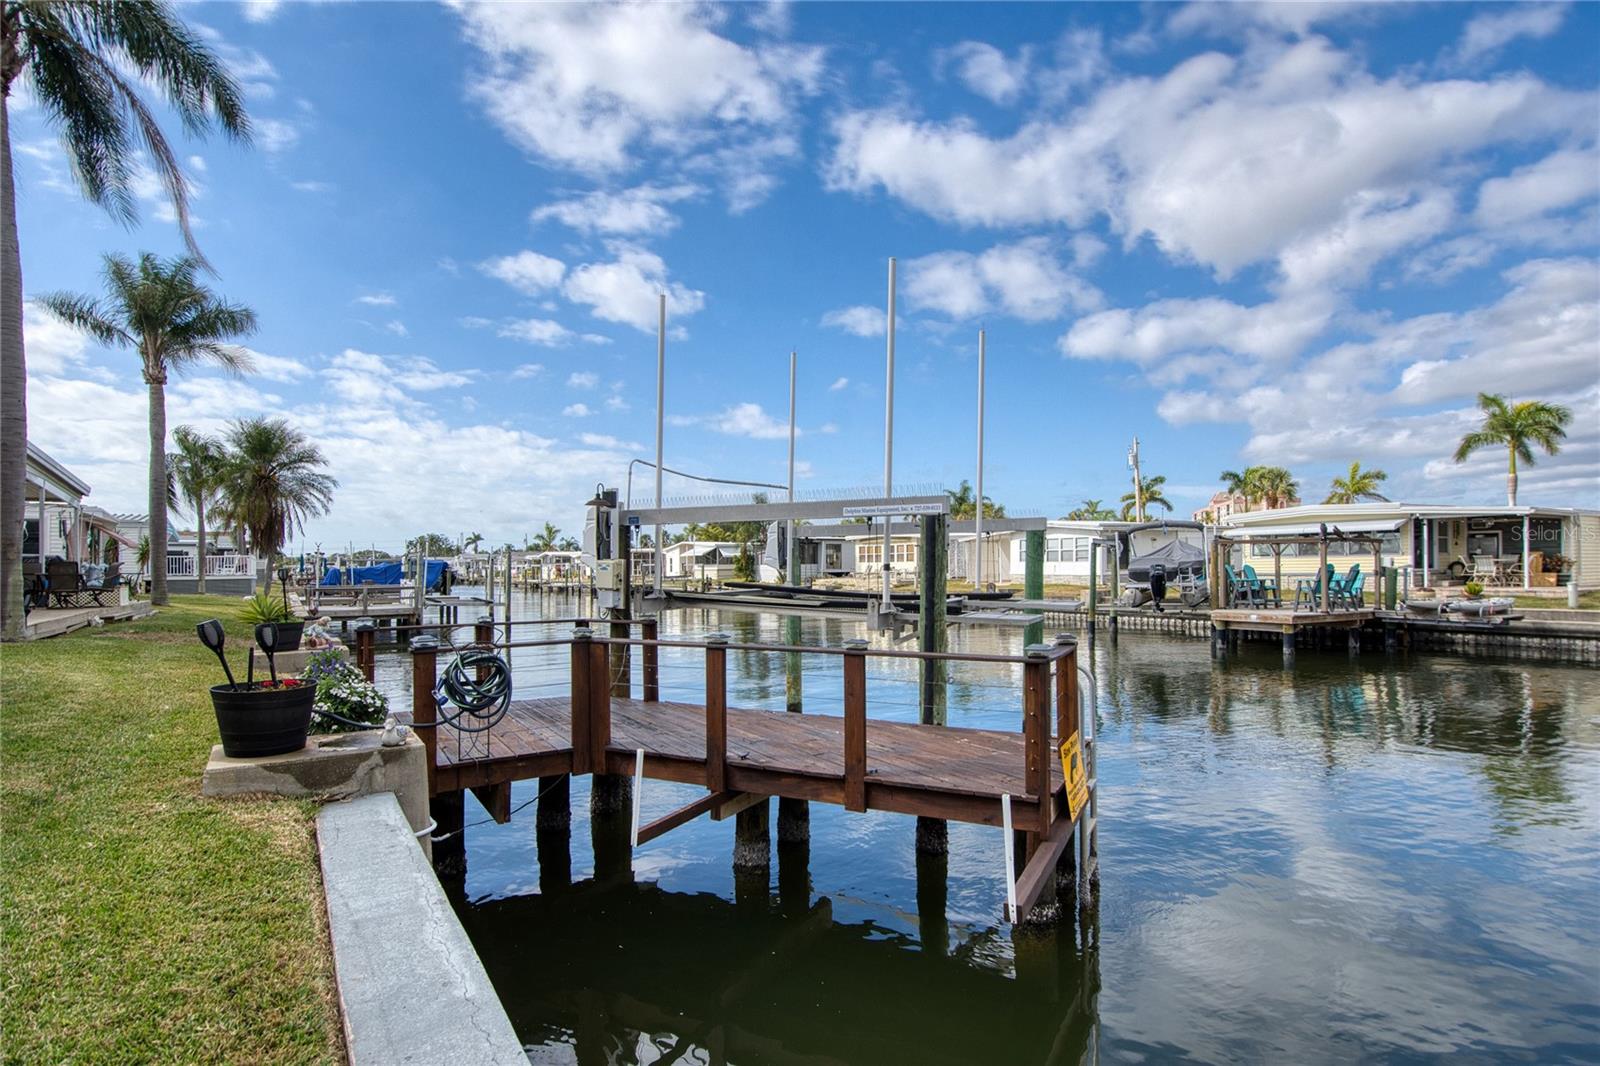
(1339, 587)
(1242, 592)
(1266, 588)
(1308, 590)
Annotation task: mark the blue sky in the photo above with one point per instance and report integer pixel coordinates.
(1297, 234)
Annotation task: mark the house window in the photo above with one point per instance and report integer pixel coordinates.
(869, 554)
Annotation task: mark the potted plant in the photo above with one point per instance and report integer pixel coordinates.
(1473, 589)
(264, 607)
(258, 718)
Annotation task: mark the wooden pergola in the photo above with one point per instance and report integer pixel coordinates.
(1326, 535)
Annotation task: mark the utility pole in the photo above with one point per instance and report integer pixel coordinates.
(977, 578)
(1138, 482)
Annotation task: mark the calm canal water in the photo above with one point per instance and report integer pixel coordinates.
(1391, 857)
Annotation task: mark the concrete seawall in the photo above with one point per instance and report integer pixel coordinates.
(411, 987)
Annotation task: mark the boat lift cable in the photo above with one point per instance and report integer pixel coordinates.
(628, 499)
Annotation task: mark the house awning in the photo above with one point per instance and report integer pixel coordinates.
(1313, 529)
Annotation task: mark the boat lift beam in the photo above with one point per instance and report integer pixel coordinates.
(778, 511)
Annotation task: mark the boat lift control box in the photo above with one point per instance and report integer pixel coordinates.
(608, 582)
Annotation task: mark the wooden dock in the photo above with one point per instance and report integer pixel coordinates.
(1287, 619)
(741, 756)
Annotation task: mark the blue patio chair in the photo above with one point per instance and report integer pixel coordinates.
(1266, 587)
(1354, 594)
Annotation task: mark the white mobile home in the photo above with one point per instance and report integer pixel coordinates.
(1437, 545)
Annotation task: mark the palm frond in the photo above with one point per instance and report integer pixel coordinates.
(86, 314)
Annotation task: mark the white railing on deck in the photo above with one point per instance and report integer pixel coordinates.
(216, 566)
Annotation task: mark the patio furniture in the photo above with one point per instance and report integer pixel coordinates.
(1241, 591)
(1310, 589)
(1339, 587)
(1355, 592)
(1266, 588)
(1485, 570)
(66, 587)
(32, 584)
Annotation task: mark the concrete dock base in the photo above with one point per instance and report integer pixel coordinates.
(332, 766)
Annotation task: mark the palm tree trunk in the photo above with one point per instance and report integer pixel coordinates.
(13, 397)
(1511, 479)
(158, 493)
(200, 521)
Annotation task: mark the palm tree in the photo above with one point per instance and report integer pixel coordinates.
(196, 468)
(1150, 490)
(1274, 486)
(473, 540)
(1091, 511)
(76, 59)
(1358, 485)
(545, 539)
(159, 309)
(1518, 426)
(964, 505)
(274, 481)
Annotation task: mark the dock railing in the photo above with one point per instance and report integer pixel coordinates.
(1050, 683)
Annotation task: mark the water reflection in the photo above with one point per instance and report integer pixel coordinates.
(1385, 856)
(637, 974)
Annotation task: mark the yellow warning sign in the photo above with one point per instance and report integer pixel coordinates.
(1072, 770)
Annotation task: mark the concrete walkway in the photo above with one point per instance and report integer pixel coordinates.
(411, 987)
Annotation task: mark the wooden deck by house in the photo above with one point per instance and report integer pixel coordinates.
(54, 621)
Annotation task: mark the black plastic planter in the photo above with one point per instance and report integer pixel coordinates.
(258, 720)
(289, 635)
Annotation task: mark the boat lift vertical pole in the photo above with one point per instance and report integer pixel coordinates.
(661, 378)
(792, 561)
(977, 578)
(888, 445)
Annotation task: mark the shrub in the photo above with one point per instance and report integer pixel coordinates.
(264, 607)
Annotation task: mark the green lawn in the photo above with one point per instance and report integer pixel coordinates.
(141, 922)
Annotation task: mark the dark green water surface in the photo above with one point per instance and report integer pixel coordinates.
(1392, 857)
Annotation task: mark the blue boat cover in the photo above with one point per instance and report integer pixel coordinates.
(383, 574)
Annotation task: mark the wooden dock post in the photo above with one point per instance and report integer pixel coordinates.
(650, 661)
(717, 712)
(1068, 722)
(1036, 738)
(1094, 582)
(933, 834)
(424, 711)
(855, 725)
(366, 658)
(582, 640)
(1033, 579)
(1113, 580)
(794, 815)
(609, 794)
